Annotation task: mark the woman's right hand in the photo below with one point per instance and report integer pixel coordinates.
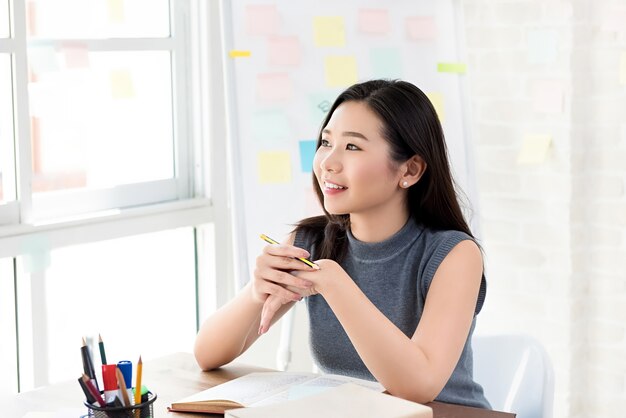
(272, 274)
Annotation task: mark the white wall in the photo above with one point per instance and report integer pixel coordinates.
(555, 232)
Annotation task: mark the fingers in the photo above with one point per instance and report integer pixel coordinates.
(281, 277)
(284, 257)
(270, 307)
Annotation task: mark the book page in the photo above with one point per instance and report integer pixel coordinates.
(251, 388)
(318, 384)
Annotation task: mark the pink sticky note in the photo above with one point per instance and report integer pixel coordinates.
(421, 27)
(76, 54)
(273, 87)
(614, 20)
(284, 51)
(261, 19)
(547, 96)
(374, 21)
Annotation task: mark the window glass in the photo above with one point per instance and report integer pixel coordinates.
(137, 292)
(100, 119)
(7, 173)
(97, 19)
(8, 357)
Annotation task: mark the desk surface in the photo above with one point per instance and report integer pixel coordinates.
(172, 378)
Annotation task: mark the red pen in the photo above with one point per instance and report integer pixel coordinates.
(94, 392)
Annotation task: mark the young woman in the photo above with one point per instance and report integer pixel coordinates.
(400, 277)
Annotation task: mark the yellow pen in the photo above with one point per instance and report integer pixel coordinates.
(304, 260)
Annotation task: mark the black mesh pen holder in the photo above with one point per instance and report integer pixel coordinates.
(142, 410)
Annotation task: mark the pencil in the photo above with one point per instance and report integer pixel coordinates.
(94, 392)
(304, 260)
(103, 356)
(122, 385)
(138, 384)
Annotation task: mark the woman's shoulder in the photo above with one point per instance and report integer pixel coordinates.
(309, 231)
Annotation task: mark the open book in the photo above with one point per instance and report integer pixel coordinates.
(265, 388)
(345, 401)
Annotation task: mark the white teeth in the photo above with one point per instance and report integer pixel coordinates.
(333, 186)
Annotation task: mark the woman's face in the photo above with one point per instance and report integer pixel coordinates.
(352, 165)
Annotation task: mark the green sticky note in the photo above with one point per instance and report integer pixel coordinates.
(451, 67)
(385, 63)
(269, 125)
(319, 105)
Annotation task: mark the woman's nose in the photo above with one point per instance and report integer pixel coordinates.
(331, 162)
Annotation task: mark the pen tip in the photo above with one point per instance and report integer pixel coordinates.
(99, 337)
(84, 342)
(140, 359)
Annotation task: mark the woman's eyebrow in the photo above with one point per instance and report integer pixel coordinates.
(347, 133)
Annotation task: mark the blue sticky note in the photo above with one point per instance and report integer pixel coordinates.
(270, 125)
(543, 46)
(385, 63)
(307, 152)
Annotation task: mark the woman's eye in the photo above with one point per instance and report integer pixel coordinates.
(325, 143)
(352, 147)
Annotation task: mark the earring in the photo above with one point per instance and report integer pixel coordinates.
(405, 184)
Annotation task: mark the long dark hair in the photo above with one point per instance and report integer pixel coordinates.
(411, 126)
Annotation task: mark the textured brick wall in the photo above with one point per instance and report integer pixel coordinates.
(555, 232)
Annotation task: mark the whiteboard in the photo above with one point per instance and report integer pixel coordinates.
(278, 95)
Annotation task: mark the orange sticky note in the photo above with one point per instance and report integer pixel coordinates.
(284, 51)
(421, 27)
(375, 21)
(329, 31)
(340, 70)
(261, 19)
(274, 87)
(122, 84)
(76, 54)
(274, 167)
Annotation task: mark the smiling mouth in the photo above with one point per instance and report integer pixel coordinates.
(333, 186)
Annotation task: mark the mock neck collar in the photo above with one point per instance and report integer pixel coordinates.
(377, 251)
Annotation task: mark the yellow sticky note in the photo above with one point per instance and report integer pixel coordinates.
(274, 167)
(340, 70)
(622, 73)
(122, 84)
(534, 149)
(237, 53)
(116, 10)
(329, 31)
(451, 67)
(437, 100)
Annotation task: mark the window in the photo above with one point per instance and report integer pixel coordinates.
(106, 164)
(138, 292)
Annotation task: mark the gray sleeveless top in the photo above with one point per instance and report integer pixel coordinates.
(395, 275)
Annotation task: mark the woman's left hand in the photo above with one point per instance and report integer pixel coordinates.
(330, 272)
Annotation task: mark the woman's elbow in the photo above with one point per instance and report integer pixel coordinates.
(423, 393)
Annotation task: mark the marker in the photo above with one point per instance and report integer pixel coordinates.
(109, 377)
(88, 364)
(138, 383)
(85, 389)
(126, 367)
(103, 356)
(304, 260)
(92, 389)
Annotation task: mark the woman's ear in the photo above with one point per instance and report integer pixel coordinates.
(412, 171)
